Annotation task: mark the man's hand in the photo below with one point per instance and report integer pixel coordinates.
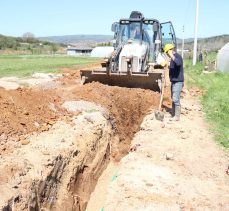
(164, 63)
(170, 54)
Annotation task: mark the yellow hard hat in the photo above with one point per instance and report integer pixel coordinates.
(168, 47)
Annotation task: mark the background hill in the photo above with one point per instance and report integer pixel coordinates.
(27, 44)
(79, 40)
(206, 44)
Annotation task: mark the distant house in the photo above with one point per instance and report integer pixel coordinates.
(74, 51)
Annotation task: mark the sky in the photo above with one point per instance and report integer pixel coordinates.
(70, 17)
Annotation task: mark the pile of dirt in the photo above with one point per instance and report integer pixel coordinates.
(24, 111)
(71, 76)
(126, 106)
(27, 110)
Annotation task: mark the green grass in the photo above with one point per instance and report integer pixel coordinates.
(215, 99)
(24, 65)
(211, 56)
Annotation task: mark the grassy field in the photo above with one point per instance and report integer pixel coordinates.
(215, 99)
(24, 65)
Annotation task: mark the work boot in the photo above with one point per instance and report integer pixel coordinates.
(177, 114)
(172, 112)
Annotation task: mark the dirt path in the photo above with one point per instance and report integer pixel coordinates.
(174, 166)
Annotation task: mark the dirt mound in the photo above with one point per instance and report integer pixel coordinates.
(27, 110)
(127, 107)
(71, 74)
(34, 110)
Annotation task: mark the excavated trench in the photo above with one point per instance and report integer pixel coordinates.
(127, 108)
(72, 154)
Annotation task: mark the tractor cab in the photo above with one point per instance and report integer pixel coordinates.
(148, 32)
(142, 31)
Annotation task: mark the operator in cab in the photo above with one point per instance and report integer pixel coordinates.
(135, 33)
(176, 75)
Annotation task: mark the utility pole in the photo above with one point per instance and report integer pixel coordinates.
(182, 48)
(196, 29)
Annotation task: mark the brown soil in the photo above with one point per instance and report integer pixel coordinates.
(27, 110)
(172, 166)
(34, 110)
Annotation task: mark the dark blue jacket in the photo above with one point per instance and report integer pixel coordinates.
(176, 69)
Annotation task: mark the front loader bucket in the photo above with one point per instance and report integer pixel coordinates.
(149, 80)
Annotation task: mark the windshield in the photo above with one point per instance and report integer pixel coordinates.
(138, 32)
(149, 36)
(130, 30)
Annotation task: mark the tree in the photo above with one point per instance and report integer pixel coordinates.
(54, 48)
(28, 37)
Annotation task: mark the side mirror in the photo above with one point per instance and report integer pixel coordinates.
(115, 27)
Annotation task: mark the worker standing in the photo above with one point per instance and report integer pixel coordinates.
(176, 75)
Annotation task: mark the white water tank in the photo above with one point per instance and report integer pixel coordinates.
(223, 59)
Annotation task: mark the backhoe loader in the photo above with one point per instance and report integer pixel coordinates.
(136, 59)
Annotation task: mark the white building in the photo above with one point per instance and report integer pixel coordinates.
(102, 51)
(73, 51)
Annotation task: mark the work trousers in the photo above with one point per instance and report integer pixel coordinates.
(176, 88)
